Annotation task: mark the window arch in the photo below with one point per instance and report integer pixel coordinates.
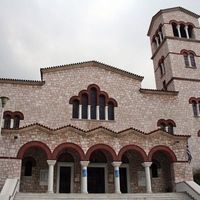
(93, 101)
(195, 106)
(75, 111)
(158, 37)
(102, 105)
(189, 58)
(93, 104)
(7, 119)
(166, 125)
(12, 119)
(182, 29)
(110, 110)
(84, 99)
(161, 66)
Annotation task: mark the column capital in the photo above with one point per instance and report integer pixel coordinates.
(84, 163)
(146, 164)
(51, 162)
(116, 163)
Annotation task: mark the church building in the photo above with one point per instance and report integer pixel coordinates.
(91, 128)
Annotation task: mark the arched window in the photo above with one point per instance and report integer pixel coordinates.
(75, 111)
(189, 58)
(194, 107)
(186, 59)
(7, 121)
(110, 111)
(175, 30)
(192, 60)
(93, 100)
(170, 128)
(163, 126)
(182, 30)
(84, 106)
(93, 104)
(102, 104)
(166, 125)
(16, 121)
(190, 31)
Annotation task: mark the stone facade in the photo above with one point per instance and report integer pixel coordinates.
(48, 129)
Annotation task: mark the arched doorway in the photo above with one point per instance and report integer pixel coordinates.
(162, 175)
(67, 177)
(100, 169)
(34, 170)
(132, 174)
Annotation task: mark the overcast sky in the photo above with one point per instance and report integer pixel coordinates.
(42, 33)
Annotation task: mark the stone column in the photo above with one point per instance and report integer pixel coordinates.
(97, 113)
(186, 31)
(117, 176)
(51, 164)
(157, 43)
(106, 112)
(147, 165)
(179, 31)
(89, 112)
(11, 123)
(80, 111)
(84, 165)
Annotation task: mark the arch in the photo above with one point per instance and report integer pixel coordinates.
(8, 112)
(93, 86)
(134, 148)
(198, 134)
(161, 121)
(164, 149)
(101, 147)
(74, 98)
(192, 99)
(72, 146)
(170, 121)
(17, 113)
(113, 101)
(23, 149)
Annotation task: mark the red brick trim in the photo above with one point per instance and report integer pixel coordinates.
(7, 112)
(166, 122)
(23, 149)
(182, 22)
(58, 150)
(17, 113)
(134, 148)
(101, 147)
(194, 99)
(164, 149)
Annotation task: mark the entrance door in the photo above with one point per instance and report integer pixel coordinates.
(96, 180)
(65, 179)
(123, 179)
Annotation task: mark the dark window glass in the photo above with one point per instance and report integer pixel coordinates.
(194, 106)
(170, 128)
(28, 168)
(110, 111)
(93, 98)
(16, 122)
(7, 121)
(190, 30)
(102, 104)
(163, 126)
(75, 111)
(182, 30)
(84, 106)
(185, 55)
(192, 60)
(175, 31)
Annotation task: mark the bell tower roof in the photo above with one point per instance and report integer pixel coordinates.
(170, 10)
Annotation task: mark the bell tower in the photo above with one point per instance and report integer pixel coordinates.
(175, 43)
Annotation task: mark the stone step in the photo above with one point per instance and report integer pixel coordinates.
(133, 196)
